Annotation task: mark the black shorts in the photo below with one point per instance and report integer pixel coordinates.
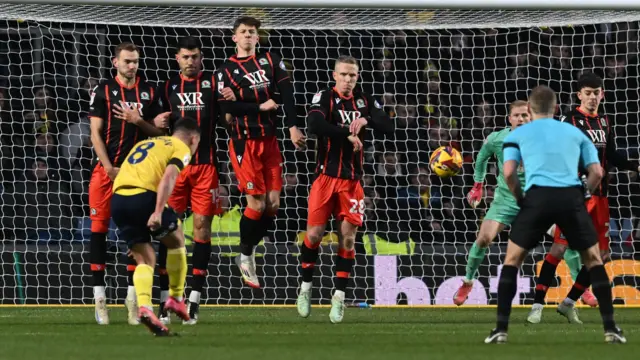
(131, 214)
(545, 206)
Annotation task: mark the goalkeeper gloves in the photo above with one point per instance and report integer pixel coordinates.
(475, 195)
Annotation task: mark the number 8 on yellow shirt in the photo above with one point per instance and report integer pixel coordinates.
(138, 207)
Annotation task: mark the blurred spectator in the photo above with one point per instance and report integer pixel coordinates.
(48, 117)
(292, 214)
(39, 206)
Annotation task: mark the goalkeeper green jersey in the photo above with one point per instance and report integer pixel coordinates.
(493, 147)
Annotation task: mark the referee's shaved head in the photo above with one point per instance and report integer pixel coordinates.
(542, 101)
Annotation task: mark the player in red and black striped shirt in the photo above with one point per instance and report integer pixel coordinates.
(122, 111)
(192, 93)
(599, 129)
(337, 117)
(254, 78)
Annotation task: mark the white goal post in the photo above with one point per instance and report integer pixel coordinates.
(445, 71)
(369, 4)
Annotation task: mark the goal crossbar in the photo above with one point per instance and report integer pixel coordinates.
(369, 4)
(332, 16)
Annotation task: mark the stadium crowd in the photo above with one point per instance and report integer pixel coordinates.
(440, 86)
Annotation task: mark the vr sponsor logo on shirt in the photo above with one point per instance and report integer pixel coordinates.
(349, 116)
(134, 105)
(258, 79)
(190, 101)
(598, 137)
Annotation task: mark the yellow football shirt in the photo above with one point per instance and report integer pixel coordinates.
(145, 164)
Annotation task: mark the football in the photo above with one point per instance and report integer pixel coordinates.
(445, 161)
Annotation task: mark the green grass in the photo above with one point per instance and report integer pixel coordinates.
(278, 333)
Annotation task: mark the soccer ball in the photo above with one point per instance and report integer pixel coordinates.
(445, 161)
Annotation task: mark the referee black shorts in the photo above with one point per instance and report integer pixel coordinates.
(545, 206)
(131, 214)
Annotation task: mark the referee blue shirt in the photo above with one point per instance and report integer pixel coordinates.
(551, 152)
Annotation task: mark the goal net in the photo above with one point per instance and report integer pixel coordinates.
(446, 77)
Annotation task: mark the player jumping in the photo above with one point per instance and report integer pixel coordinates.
(503, 208)
(599, 130)
(551, 152)
(120, 112)
(338, 117)
(253, 79)
(140, 194)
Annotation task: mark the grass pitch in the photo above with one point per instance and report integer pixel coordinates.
(278, 333)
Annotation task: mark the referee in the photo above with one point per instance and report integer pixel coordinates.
(551, 152)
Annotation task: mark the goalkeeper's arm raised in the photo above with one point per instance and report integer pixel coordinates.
(480, 171)
(480, 165)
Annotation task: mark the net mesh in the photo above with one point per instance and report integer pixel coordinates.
(309, 19)
(445, 77)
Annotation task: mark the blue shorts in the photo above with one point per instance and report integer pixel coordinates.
(131, 214)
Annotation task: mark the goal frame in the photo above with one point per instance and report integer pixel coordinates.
(496, 5)
(371, 4)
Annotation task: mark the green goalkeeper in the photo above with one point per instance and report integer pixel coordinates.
(503, 208)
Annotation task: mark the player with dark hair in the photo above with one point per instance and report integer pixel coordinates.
(193, 93)
(338, 116)
(551, 152)
(122, 111)
(140, 194)
(503, 209)
(254, 78)
(600, 131)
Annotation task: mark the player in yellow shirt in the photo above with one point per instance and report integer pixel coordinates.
(138, 206)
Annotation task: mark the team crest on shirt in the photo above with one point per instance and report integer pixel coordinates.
(377, 104)
(174, 87)
(360, 103)
(263, 61)
(144, 95)
(206, 84)
(185, 159)
(316, 98)
(93, 211)
(114, 92)
(282, 65)
(93, 95)
(603, 121)
(250, 185)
